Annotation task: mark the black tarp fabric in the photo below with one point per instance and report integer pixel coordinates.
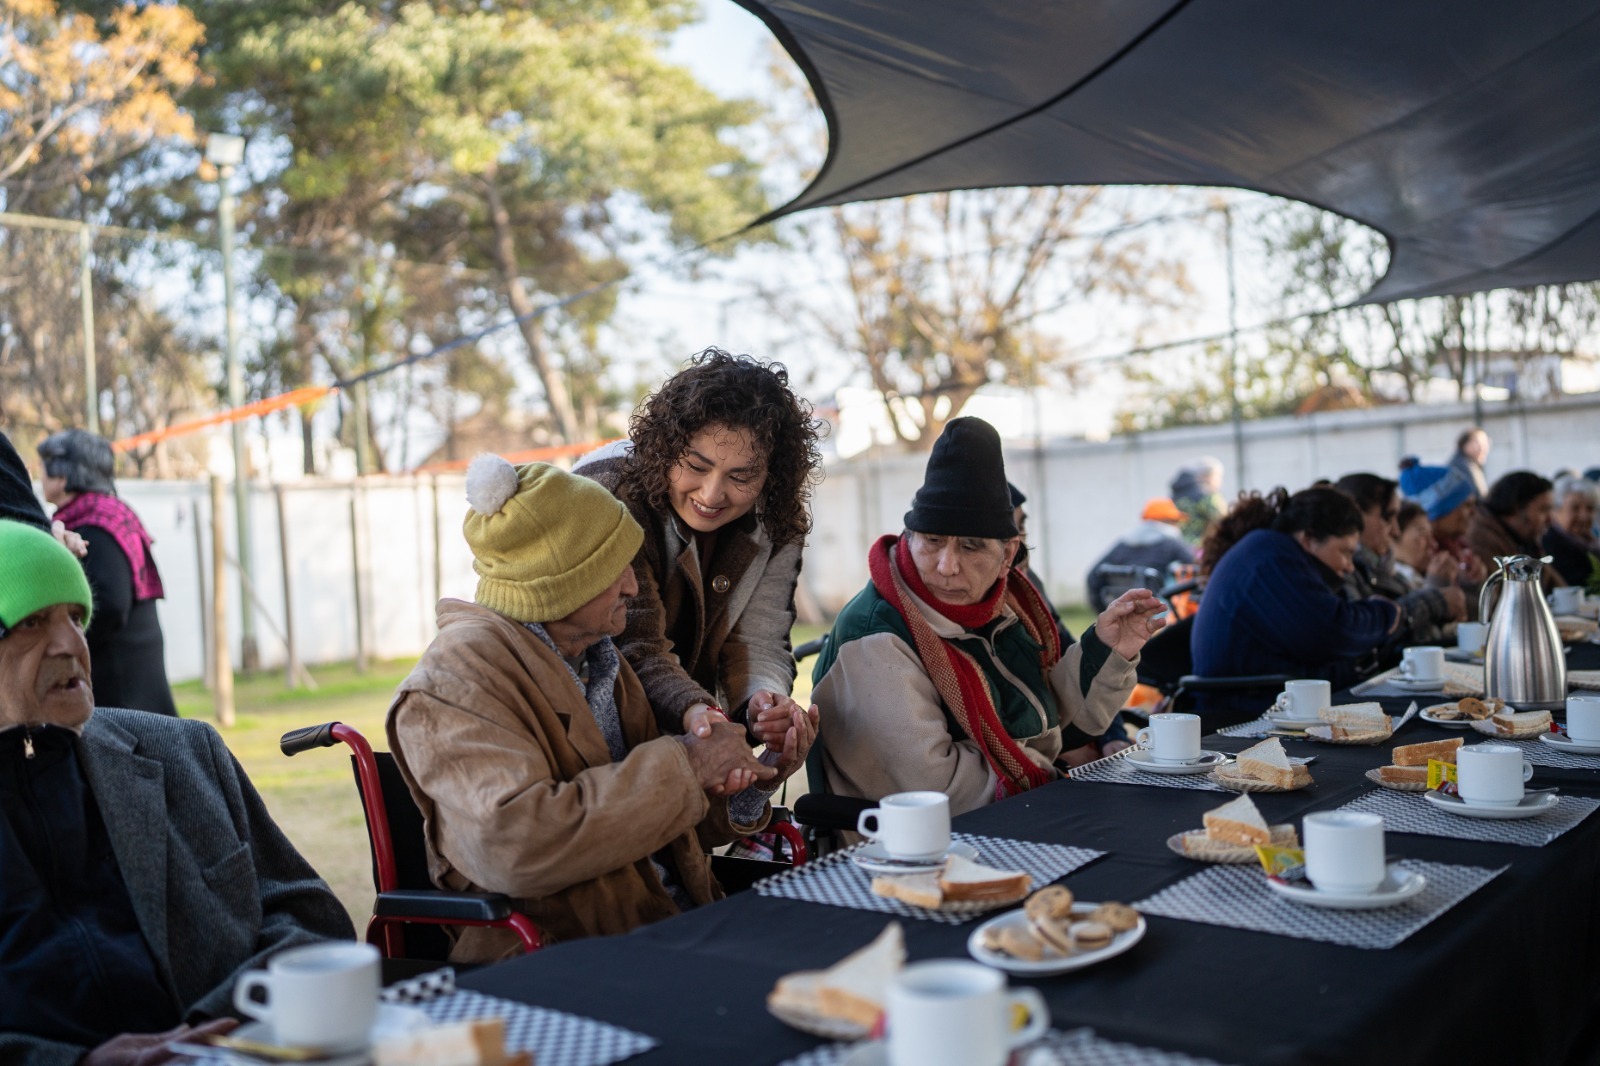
(1467, 132)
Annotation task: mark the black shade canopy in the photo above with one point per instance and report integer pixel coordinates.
(1466, 131)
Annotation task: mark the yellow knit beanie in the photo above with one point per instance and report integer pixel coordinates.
(544, 542)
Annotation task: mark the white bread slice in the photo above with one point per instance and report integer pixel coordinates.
(1407, 775)
(919, 890)
(1419, 754)
(1237, 822)
(1511, 723)
(964, 879)
(853, 989)
(1358, 717)
(473, 1043)
(1267, 762)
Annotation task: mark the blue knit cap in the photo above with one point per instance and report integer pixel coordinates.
(1438, 489)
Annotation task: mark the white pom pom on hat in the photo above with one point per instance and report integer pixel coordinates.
(491, 481)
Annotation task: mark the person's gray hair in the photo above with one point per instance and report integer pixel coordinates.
(1576, 486)
(84, 459)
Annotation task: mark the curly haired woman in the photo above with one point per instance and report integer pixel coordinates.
(718, 471)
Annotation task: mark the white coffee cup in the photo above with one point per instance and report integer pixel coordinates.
(1423, 663)
(1303, 699)
(1568, 600)
(1344, 851)
(1583, 719)
(948, 1012)
(1491, 775)
(909, 825)
(1471, 635)
(317, 996)
(1172, 738)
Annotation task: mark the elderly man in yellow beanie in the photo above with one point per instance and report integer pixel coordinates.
(529, 744)
(139, 871)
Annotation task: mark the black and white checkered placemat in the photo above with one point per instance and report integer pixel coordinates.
(1408, 812)
(1460, 679)
(418, 990)
(555, 1038)
(1077, 1047)
(839, 882)
(1259, 728)
(1119, 770)
(1539, 753)
(1238, 897)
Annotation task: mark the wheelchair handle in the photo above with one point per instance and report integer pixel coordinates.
(307, 737)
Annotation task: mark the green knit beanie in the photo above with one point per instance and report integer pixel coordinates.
(37, 572)
(544, 542)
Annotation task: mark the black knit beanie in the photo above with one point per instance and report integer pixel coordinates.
(964, 492)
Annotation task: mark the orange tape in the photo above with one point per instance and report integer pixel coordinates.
(532, 455)
(293, 398)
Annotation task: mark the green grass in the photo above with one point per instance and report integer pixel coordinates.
(312, 796)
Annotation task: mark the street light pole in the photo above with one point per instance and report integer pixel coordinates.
(226, 152)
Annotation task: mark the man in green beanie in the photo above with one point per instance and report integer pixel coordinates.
(528, 742)
(139, 871)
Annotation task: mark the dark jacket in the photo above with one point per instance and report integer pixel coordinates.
(17, 501)
(1489, 537)
(1272, 608)
(214, 884)
(127, 654)
(1425, 613)
(1153, 545)
(1575, 559)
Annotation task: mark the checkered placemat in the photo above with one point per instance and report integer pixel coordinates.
(555, 1038)
(1259, 728)
(1118, 770)
(1238, 897)
(839, 882)
(1460, 679)
(1539, 753)
(1076, 1047)
(420, 989)
(1408, 812)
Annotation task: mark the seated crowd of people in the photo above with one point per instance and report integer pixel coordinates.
(615, 701)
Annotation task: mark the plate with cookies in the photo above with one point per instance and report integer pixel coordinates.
(1054, 933)
(1463, 712)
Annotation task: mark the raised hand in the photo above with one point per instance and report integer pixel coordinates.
(1130, 620)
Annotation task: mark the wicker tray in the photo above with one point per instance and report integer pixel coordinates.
(1197, 846)
(1396, 786)
(1248, 784)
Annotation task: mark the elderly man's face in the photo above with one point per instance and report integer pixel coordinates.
(1576, 514)
(960, 570)
(604, 616)
(44, 670)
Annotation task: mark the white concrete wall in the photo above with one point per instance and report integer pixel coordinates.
(1081, 495)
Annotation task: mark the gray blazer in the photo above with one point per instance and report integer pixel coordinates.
(215, 884)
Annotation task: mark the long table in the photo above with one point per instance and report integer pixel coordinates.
(1510, 974)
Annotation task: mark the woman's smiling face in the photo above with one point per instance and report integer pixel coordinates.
(718, 478)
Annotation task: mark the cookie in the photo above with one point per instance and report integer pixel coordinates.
(1020, 945)
(1087, 936)
(1053, 902)
(1055, 934)
(1119, 916)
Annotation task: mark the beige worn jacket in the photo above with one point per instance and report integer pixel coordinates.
(519, 794)
(885, 729)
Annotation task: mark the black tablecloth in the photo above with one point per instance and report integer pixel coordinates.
(1510, 974)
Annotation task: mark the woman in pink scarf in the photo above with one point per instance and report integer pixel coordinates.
(125, 644)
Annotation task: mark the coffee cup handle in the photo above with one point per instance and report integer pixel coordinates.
(861, 824)
(249, 982)
(1527, 769)
(1143, 738)
(1405, 668)
(1282, 702)
(1038, 1015)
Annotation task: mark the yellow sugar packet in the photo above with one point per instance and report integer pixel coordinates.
(1439, 773)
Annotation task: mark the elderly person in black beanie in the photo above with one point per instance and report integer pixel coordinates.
(125, 641)
(947, 672)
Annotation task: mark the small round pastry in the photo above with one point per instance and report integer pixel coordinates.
(1020, 945)
(1119, 916)
(1053, 902)
(1087, 936)
(1055, 934)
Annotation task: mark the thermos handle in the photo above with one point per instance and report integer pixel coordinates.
(1483, 595)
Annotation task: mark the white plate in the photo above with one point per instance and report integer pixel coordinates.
(1400, 885)
(393, 1020)
(1530, 807)
(1487, 727)
(1061, 964)
(871, 856)
(1448, 723)
(1289, 721)
(1413, 685)
(1208, 760)
(871, 1053)
(1562, 742)
(817, 1025)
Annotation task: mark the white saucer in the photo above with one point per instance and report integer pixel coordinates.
(1562, 742)
(1049, 965)
(1290, 721)
(872, 857)
(1411, 684)
(1208, 760)
(393, 1020)
(1461, 655)
(869, 1053)
(1400, 885)
(1531, 806)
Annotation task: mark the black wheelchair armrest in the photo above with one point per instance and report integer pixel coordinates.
(448, 906)
(830, 813)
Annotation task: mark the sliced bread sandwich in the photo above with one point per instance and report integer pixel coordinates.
(964, 879)
(1267, 762)
(1419, 754)
(1358, 717)
(1237, 822)
(851, 990)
